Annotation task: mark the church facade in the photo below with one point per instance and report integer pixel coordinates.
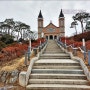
(51, 31)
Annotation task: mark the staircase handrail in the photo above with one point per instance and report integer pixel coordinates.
(65, 45)
(32, 62)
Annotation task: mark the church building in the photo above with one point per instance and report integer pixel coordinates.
(51, 31)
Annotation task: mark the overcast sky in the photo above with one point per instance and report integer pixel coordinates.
(27, 11)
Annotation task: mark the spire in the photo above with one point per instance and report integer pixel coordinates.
(61, 14)
(40, 15)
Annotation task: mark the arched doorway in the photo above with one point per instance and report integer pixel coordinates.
(51, 37)
(55, 37)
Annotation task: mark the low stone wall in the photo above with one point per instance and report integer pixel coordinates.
(9, 77)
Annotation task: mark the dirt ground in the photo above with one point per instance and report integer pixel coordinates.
(10, 66)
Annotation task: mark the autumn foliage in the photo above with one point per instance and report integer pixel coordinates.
(79, 37)
(70, 41)
(37, 42)
(17, 50)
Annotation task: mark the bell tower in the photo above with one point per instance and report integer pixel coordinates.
(62, 24)
(40, 24)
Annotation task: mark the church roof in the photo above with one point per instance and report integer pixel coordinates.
(50, 24)
(61, 14)
(40, 15)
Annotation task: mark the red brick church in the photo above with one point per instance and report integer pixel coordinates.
(51, 31)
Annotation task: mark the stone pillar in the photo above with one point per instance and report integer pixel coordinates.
(53, 37)
(22, 78)
(48, 37)
(84, 48)
(57, 37)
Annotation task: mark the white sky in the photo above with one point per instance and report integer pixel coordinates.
(27, 11)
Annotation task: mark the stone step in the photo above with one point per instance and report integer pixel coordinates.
(53, 57)
(58, 71)
(54, 50)
(56, 67)
(58, 76)
(56, 55)
(56, 62)
(56, 87)
(50, 52)
(59, 81)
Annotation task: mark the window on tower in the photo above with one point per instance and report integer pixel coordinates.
(62, 23)
(40, 24)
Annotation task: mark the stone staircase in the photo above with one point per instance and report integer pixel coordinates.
(57, 71)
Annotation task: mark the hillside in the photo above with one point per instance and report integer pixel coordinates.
(79, 37)
(77, 40)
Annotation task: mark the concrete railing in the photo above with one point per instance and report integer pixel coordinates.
(74, 49)
(86, 71)
(24, 76)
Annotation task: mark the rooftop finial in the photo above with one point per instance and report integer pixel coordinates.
(50, 21)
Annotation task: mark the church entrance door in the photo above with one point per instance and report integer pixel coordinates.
(55, 37)
(51, 37)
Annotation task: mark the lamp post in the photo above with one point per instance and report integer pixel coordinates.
(30, 42)
(65, 43)
(42, 35)
(84, 48)
(29, 47)
(27, 54)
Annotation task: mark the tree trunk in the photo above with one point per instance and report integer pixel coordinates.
(75, 29)
(8, 31)
(18, 36)
(82, 26)
(21, 33)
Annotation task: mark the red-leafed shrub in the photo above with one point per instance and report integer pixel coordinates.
(67, 40)
(1, 55)
(79, 37)
(16, 50)
(70, 41)
(13, 51)
(88, 45)
(37, 42)
(77, 44)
